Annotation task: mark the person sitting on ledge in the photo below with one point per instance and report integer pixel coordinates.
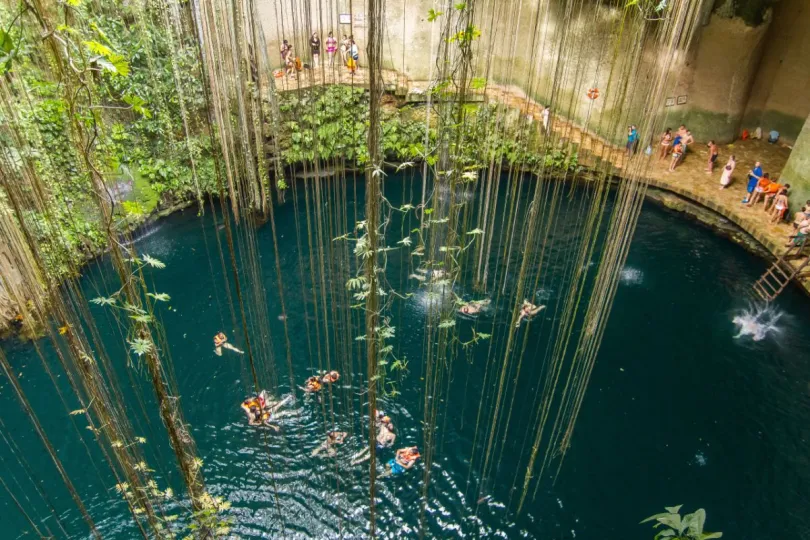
(220, 341)
(527, 311)
(803, 214)
(801, 234)
(762, 186)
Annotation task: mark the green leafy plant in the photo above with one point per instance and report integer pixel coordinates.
(675, 527)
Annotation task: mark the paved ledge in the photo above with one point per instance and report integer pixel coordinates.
(689, 180)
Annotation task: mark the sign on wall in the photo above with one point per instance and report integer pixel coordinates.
(345, 18)
(669, 102)
(682, 100)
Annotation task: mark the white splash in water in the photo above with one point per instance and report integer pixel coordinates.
(631, 276)
(757, 323)
(543, 294)
(700, 459)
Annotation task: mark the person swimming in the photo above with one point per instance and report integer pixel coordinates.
(313, 384)
(527, 311)
(220, 341)
(473, 307)
(405, 459)
(385, 438)
(333, 438)
(260, 409)
(330, 377)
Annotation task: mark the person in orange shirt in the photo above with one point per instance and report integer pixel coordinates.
(762, 186)
(772, 191)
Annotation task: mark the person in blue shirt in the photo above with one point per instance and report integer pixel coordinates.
(754, 176)
(632, 137)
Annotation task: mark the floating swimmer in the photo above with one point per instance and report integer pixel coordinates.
(527, 311)
(333, 438)
(474, 307)
(315, 383)
(260, 409)
(418, 277)
(385, 439)
(404, 460)
(220, 341)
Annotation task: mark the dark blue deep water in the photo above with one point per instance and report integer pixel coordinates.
(678, 411)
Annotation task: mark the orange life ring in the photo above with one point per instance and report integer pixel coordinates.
(278, 73)
(593, 93)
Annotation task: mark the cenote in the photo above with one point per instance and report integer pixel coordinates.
(679, 409)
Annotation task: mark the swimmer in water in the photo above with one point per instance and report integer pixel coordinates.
(527, 311)
(385, 439)
(474, 307)
(404, 460)
(220, 341)
(330, 377)
(313, 385)
(333, 438)
(260, 409)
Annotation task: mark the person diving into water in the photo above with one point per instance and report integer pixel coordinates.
(527, 311)
(220, 341)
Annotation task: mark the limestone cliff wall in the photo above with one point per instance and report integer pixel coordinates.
(797, 169)
(780, 95)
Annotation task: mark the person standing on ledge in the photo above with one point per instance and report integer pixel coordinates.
(666, 142)
(331, 49)
(754, 176)
(354, 54)
(712, 157)
(315, 47)
(546, 115)
(632, 137)
(728, 170)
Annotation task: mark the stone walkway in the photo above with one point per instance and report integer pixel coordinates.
(688, 180)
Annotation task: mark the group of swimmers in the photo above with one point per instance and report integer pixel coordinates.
(261, 408)
(315, 383)
(403, 459)
(527, 309)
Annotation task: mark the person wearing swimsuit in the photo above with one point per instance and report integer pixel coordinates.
(780, 206)
(666, 142)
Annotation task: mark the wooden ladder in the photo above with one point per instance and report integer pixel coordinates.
(781, 272)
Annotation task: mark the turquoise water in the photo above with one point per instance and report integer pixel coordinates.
(679, 410)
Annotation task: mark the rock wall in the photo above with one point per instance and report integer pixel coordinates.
(780, 96)
(797, 169)
(718, 77)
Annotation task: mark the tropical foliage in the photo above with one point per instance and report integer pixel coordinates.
(676, 527)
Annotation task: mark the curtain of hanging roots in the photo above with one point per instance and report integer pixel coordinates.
(477, 224)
